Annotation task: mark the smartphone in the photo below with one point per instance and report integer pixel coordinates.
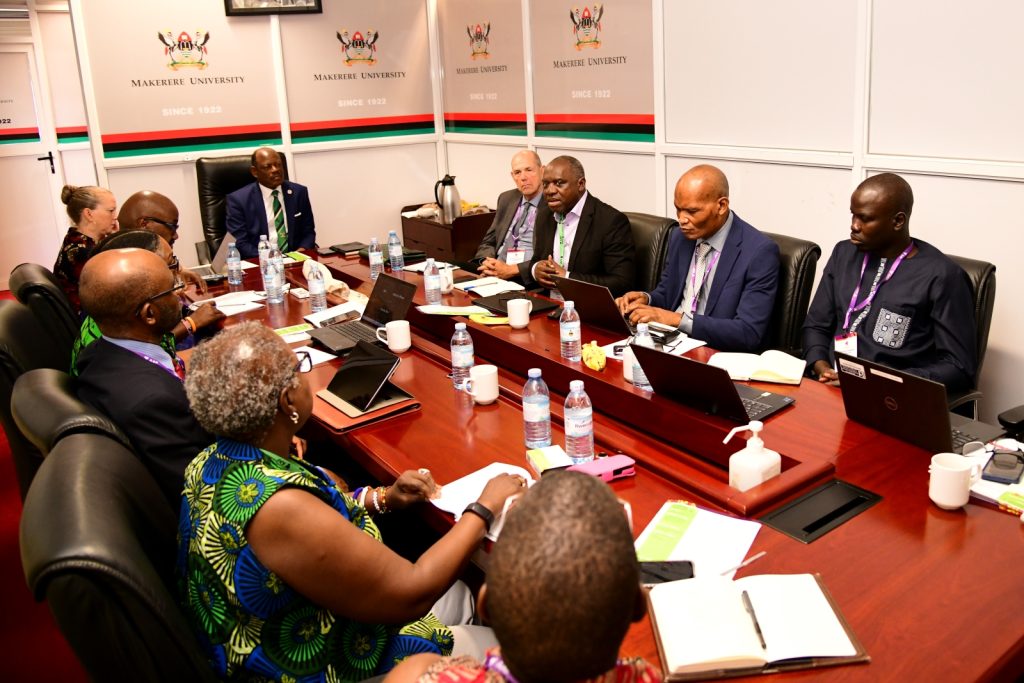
(1004, 467)
(660, 572)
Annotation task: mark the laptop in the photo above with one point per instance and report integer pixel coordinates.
(597, 307)
(911, 408)
(389, 300)
(706, 387)
(498, 303)
(216, 269)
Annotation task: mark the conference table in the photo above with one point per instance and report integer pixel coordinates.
(931, 594)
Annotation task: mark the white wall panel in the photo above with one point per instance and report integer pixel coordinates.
(774, 74)
(624, 180)
(482, 172)
(79, 168)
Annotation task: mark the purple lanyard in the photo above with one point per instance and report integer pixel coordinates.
(875, 286)
(520, 223)
(160, 365)
(693, 280)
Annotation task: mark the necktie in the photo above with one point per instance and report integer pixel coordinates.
(697, 277)
(282, 232)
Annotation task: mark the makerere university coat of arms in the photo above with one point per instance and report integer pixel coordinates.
(479, 41)
(185, 51)
(357, 49)
(587, 26)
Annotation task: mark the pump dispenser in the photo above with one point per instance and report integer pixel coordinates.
(755, 464)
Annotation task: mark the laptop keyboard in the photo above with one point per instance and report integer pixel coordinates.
(755, 409)
(356, 330)
(960, 439)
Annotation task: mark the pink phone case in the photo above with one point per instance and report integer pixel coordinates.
(608, 469)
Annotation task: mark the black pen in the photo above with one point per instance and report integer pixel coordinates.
(753, 617)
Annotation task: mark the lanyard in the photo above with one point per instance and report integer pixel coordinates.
(561, 242)
(875, 286)
(693, 280)
(519, 224)
(178, 374)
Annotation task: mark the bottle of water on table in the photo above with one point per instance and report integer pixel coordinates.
(462, 354)
(263, 249)
(579, 424)
(274, 285)
(569, 332)
(536, 411)
(317, 290)
(376, 259)
(642, 338)
(234, 265)
(432, 282)
(395, 254)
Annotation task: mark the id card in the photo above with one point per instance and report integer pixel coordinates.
(515, 257)
(847, 343)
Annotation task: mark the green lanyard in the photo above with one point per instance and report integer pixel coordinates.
(561, 242)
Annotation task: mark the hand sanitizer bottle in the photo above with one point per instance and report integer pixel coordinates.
(755, 464)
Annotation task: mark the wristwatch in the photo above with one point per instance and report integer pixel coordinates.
(481, 512)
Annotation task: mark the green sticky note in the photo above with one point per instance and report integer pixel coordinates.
(662, 539)
(294, 329)
(298, 256)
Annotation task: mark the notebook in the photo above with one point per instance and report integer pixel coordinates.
(389, 300)
(597, 307)
(906, 406)
(706, 387)
(498, 303)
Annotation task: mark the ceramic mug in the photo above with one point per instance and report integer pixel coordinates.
(519, 312)
(482, 384)
(951, 479)
(396, 336)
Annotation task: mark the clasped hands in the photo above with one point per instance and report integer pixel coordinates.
(634, 306)
(496, 268)
(546, 270)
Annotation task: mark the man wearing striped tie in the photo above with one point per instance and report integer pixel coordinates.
(271, 206)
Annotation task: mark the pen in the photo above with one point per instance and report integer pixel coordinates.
(744, 563)
(753, 617)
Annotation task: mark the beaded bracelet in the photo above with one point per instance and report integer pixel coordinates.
(384, 500)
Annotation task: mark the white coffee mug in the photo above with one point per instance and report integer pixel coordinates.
(447, 279)
(396, 336)
(627, 364)
(482, 384)
(951, 479)
(519, 312)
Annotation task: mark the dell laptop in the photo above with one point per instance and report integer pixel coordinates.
(706, 387)
(389, 300)
(597, 307)
(911, 408)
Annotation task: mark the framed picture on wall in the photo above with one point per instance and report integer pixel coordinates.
(241, 8)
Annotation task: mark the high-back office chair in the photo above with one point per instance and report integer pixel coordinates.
(37, 288)
(983, 286)
(98, 544)
(798, 260)
(650, 237)
(217, 177)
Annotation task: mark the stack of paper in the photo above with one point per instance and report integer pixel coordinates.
(457, 495)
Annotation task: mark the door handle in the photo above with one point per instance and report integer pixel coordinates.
(48, 157)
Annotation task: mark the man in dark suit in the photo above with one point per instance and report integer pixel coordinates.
(721, 274)
(581, 237)
(507, 248)
(131, 293)
(271, 206)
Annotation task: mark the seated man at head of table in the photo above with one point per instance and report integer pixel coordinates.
(127, 375)
(580, 237)
(721, 274)
(890, 299)
(270, 206)
(507, 248)
(562, 588)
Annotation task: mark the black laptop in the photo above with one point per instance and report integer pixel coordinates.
(597, 307)
(706, 387)
(389, 300)
(911, 408)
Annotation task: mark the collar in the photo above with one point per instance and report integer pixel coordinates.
(535, 201)
(718, 240)
(576, 210)
(154, 351)
(266, 191)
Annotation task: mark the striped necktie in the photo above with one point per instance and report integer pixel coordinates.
(282, 231)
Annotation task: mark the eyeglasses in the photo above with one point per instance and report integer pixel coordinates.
(174, 265)
(178, 286)
(305, 363)
(171, 226)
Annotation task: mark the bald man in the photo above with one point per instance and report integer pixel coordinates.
(721, 274)
(127, 375)
(891, 299)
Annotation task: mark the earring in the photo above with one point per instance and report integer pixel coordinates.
(294, 417)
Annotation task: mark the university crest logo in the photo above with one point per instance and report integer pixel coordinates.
(587, 26)
(479, 41)
(185, 51)
(357, 49)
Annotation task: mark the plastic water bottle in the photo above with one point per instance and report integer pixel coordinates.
(234, 265)
(376, 259)
(274, 285)
(432, 282)
(569, 332)
(641, 338)
(579, 424)
(395, 253)
(536, 411)
(263, 249)
(317, 290)
(462, 354)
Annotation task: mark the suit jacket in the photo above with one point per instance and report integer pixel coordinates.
(602, 251)
(149, 405)
(742, 296)
(247, 218)
(508, 202)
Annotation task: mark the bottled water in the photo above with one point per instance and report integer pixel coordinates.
(263, 249)
(536, 411)
(642, 338)
(376, 259)
(234, 265)
(317, 290)
(579, 424)
(274, 285)
(569, 332)
(432, 282)
(395, 254)
(462, 354)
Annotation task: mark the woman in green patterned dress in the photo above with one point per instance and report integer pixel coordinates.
(282, 573)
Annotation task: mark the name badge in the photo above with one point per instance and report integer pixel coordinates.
(515, 257)
(847, 343)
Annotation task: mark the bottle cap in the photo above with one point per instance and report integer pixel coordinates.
(569, 304)
(460, 326)
(641, 327)
(373, 240)
(576, 385)
(533, 373)
(230, 244)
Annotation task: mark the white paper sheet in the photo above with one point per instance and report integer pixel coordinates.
(419, 267)
(316, 355)
(438, 309)
(457, 495)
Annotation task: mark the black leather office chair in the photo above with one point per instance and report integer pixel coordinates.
(983, 286)
(98, 543)
(217, 177)
(37, 288)
(650, 237)
(798, 261)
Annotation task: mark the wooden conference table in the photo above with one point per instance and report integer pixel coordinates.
(932, 595)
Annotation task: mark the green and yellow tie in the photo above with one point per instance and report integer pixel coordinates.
(282, 231)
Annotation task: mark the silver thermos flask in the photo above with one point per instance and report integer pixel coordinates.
(447, 197)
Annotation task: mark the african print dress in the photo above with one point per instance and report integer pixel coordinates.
(251, 624)
(74, 252)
